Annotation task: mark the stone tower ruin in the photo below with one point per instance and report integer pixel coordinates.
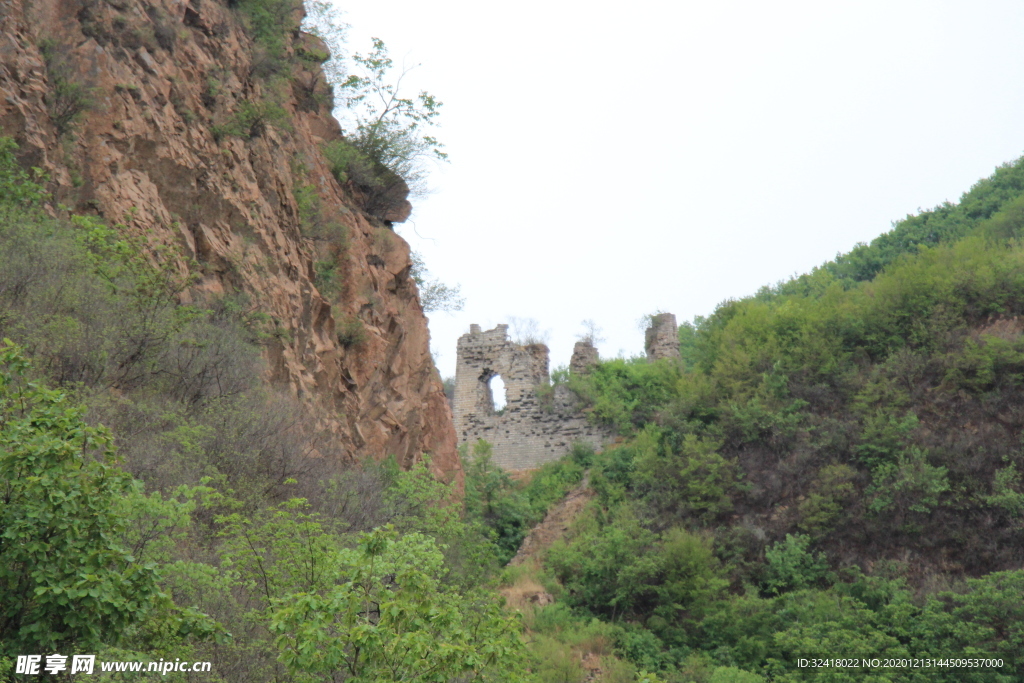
(662, 338)
(529, 431)
(532, 430)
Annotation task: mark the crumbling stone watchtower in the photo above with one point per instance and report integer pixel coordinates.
(528, 432)
(662, 338)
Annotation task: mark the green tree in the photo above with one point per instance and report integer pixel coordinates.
(389, 128)
(434, 294)
(492, 497)
(390, 618)
(792, 566)
(66, 580)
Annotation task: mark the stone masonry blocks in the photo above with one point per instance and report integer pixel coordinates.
(662, 337)
(526, 434)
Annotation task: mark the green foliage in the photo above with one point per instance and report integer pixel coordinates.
(66, 582)
(551, 483)
(252, 119)
(943, 224)
(987, 364)
(987, 620)
(67, 98)
(223, 522)
(626, 394)
(386, 146)
(434, 294)
(383, 189)
(389, 126)
(556, 663)
(885, 436)
(281, 550)
(389, 617)
(910, 484)
(18, 188)
(326, 277)
(693, 481)
(494, 499)
(1006, 491)
(323, 20)
(791, 566)
(731, 674)
(351, 331)
(830, 494)
(346, 162)
(622, 569)
(271, 22)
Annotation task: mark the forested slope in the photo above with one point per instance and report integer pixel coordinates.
(833, 469)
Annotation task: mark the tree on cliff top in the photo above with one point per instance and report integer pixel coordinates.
(381, 123)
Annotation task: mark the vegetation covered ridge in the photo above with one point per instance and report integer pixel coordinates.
(833, 469)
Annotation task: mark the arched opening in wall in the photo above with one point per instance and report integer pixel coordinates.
(498, 395)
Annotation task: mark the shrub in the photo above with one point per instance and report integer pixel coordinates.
(383, 189)
(420, 631)
(691, 481)
(830, 494)
(18, 188)
(271, 23)
(252, 120)
(493, 499)
(65, 580)
(434, 294)
(791, 566)
(351, 331)
(325, 277)
(67, 98)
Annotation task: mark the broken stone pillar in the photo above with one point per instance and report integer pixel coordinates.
(584, 357)
(662, 337)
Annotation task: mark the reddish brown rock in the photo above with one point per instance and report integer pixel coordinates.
(162, 79)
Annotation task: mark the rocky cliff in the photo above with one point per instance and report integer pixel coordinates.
(169, 118)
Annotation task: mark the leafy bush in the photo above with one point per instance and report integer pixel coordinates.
(493, 499)
(271, 23)
(67, 98)
(791, 566)
(383, 189)
(434, 294)
(693, 481)
(416, 630)
(66, 582)
(252, 120)
(351, 331)
(388, 126)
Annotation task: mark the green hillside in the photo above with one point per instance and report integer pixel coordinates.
(833, 470)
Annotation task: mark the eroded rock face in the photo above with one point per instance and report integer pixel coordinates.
(195, 138)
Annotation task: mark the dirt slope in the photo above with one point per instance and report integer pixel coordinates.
(556, 523)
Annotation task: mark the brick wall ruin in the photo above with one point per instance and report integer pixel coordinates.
(526, 433)
(529, 432)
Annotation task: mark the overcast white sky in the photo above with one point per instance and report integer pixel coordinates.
(611, 160)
